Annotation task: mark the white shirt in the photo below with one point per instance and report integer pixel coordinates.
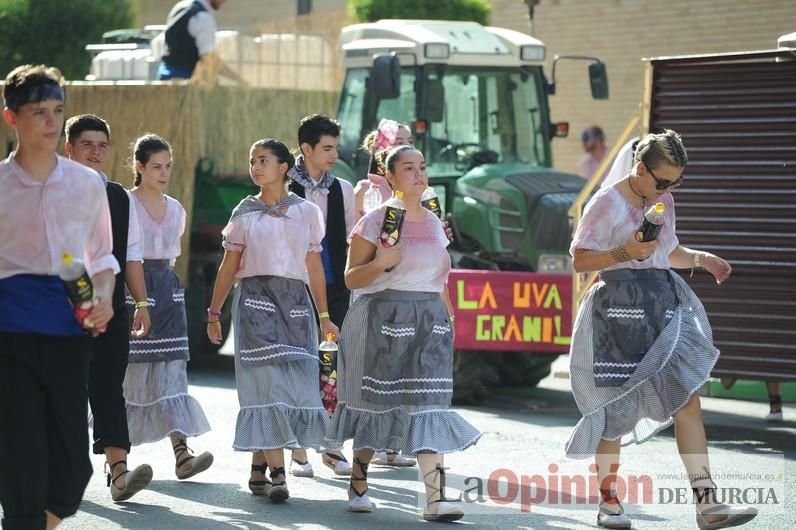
(321, 199)
(425, 262)
(161, 239)
(133, 228)
(202, 27)
(40, 221)
(609, 220)
(276, 246)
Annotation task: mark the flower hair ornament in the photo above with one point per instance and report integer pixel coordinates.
(388, 131)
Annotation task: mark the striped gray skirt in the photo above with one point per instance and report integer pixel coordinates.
(277, 368)
(156, 382)
(394, 374)
(641, 346)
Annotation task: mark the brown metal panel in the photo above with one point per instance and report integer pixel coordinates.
(737, 116)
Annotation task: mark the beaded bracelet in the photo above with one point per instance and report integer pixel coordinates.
(620, 254)
(141, 304)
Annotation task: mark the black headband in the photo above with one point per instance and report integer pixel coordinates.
(36, 94)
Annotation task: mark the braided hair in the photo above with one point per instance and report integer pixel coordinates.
(666, 147)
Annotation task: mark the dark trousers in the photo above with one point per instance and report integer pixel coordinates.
(106, 376)
(44, 457)
(338, 298)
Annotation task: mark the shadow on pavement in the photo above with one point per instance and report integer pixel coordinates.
(133, 515)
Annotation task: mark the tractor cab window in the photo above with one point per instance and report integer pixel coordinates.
(480, 116)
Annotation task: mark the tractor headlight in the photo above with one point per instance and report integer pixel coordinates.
(532, 53)
(437, 50)
(551, 264)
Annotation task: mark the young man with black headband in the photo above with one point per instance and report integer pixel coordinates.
(49, 206)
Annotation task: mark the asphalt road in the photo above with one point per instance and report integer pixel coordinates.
(519, 466)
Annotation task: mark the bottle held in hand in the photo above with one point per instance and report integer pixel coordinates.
(394, 215)
(652, 224)
(79, 289)
(430, 202)
(327, 351)
(372, 198)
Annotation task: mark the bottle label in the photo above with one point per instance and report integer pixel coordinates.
(80, 290)
(391, 229)
(328, 359)
(648, 231)
(433, 206)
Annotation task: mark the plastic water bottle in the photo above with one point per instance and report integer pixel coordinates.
(79, 288)
(372, 198)
(394, 215)
(327, 351)
(430, 201)
(652, 224)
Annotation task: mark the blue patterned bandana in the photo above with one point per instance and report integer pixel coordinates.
(36, 94)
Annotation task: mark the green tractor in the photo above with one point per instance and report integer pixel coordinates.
(477, 100)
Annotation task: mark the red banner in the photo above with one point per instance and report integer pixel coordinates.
(511, 311)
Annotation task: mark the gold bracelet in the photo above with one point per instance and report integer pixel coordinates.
(452, 317)
(620, 255)
(323, 315)
(698, 260)
(141, 304)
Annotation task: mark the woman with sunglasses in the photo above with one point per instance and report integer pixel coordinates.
(642, 345)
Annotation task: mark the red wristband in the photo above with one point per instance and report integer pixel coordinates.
(212, 313)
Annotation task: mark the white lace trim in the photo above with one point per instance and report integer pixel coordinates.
(410, 380)
(622, 312)
(158, 341)
(275, 355)
(157, 350)
(262, 305)
(164, 398)
(397, 332)
(615, 364)
(410, 391)
(271, 347)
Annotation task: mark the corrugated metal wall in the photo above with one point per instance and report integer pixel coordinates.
(737, 116)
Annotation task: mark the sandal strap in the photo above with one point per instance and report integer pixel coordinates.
(440, 471)
(362, 467)
(275, 472)
(299, 462)
(111, 467)
(262, 468)
(335, 457)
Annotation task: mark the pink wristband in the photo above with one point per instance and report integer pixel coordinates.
(212, 313)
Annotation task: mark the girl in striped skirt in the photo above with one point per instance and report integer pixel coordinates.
(156, 382)
(642, 345)
(395, 368)
(272, 244)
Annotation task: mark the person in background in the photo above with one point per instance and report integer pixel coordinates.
(88, 138)
(593, 140)
(388, 134)
(272, 245)
(312, 179)
(642, 346)
(156, 383)
(774, 390)
(395, 367)
(49, 206)
(190, 44)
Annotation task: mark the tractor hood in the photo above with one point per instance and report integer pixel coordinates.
(526, 206)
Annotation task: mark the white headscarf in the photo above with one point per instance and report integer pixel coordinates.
(622, 166)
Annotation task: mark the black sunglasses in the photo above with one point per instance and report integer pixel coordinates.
(663, 184)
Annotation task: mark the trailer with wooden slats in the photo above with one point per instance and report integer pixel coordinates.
(737, 116)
